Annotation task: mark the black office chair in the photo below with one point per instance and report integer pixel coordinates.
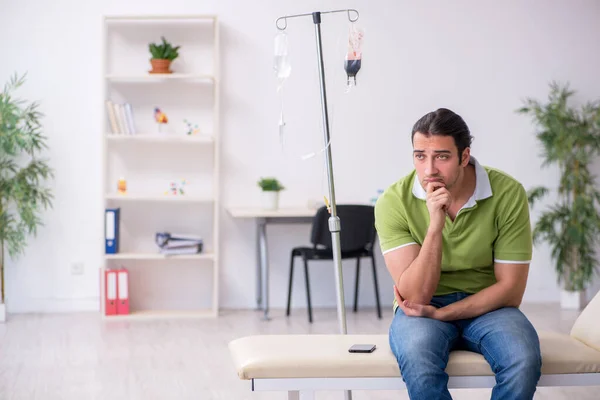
(357, 238)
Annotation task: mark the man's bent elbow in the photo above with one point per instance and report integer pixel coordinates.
(416, 293)
(514, 301)
(417, 297)
(425, 300)
(514, 298)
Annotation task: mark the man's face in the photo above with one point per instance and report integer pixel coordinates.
(436, 159)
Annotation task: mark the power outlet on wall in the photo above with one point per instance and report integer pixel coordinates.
(77, 268)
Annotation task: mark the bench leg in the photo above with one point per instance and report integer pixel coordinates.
(301, 395)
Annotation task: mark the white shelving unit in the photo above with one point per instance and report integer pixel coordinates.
(174, 286)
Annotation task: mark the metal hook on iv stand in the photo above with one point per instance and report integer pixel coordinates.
(284, 18)
(334, 220)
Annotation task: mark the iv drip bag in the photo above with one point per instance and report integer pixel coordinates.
(281, 60)
(353, 59)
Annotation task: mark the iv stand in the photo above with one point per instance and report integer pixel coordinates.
(334, 220)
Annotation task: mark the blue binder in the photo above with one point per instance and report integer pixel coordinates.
(111, 230)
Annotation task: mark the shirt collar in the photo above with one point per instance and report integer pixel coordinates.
(483, 188)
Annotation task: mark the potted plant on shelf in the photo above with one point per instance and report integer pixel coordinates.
(270, 192)
(22, 175)
(570, 139)
(163, 55)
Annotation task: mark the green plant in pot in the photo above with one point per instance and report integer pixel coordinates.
(270, 192)
(570, 139)
(163, 54)
(23, 195)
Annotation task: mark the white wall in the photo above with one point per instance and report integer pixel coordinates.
(477, 58)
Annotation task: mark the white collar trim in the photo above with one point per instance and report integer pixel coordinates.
(483, 188)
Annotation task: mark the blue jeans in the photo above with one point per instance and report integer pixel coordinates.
(505, 337)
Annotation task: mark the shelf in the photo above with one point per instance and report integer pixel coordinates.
(152, 78)
(168, 314)
(257, 212)
(154, 138)
(165, 198)
(158, 256)
(175, 19)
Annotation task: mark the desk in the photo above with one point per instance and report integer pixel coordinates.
(263, 218)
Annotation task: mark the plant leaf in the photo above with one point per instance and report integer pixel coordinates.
(570, 139)
(23, 174)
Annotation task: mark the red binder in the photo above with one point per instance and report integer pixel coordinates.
(110, 292)
(122, 291)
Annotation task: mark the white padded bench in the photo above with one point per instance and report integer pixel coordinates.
(303, 364)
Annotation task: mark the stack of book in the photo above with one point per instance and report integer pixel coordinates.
(175, 244)
(120, 116)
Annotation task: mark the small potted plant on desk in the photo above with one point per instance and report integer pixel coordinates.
(162, 56)
(270, 192)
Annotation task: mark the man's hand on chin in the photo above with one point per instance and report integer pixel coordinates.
(413, 309)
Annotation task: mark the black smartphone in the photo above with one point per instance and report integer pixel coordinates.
(362, 348)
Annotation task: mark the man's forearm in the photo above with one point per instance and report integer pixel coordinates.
(489, 299)
(419, 282)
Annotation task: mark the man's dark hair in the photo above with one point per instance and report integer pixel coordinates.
(444, 122)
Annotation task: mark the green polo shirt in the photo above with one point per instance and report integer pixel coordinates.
(493, 226)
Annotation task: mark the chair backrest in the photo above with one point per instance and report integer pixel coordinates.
(587, 326)
(357, 227)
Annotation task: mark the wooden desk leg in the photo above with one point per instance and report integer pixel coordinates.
(264, 265)
(258, 267)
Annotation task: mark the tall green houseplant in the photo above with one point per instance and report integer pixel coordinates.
(23, 195)
(570, 139)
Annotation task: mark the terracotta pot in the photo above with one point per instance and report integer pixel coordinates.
(160, 66)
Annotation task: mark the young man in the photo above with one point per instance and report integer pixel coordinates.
(456, 239)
